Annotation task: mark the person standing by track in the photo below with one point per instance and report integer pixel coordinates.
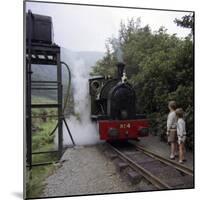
(181, 133)
(172, 129)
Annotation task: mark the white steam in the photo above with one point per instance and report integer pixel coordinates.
(83, 131)
(117, 49)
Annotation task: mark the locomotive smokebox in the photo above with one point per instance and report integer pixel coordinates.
(120, 69)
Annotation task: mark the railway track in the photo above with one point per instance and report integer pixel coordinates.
(160, 172)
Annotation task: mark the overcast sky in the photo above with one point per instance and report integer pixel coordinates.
(85, 28)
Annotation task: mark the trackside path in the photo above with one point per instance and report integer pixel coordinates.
(85, 170)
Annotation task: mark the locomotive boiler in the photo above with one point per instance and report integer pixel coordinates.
(113, 107)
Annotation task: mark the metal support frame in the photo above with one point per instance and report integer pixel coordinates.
(43, 54)
(28, 96)
(43, 85)
(60, 98)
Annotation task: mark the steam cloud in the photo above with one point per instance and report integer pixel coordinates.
(84, 132)
(117, 49)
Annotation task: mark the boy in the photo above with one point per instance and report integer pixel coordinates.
(171, 128)
(181, 133)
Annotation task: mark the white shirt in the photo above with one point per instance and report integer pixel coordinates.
(171, 120)
(181, 127)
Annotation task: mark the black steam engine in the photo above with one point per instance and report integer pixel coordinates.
(113, 106)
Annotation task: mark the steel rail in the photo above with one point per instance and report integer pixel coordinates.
(145, 173)
(171, 163)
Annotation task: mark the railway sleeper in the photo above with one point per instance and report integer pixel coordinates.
(165, 172)
(121, 165)
(140, 158)
(181, 182)
(154, 164)
(127, 173)
(134, 177)
(146, 187)
(132, 153)
(111, 155)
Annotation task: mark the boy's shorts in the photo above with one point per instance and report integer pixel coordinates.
(181, 139)
(172, 136)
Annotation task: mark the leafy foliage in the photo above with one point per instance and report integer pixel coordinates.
(187, 21)
(160, 67)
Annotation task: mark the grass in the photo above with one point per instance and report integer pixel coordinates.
(38, 99)
(35, 180)
(41, 141)
(41, 138)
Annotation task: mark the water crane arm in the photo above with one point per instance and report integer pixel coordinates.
(66, 98)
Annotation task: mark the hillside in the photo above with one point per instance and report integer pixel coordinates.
(41, 72)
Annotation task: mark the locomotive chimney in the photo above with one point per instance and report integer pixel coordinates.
(120, 69)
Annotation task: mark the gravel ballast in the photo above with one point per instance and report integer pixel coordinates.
(154, 144)
(85, 170)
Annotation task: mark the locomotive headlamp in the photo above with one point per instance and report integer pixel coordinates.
(113, 132)
(124, 114)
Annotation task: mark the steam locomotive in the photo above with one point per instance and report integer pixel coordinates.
(113, 107)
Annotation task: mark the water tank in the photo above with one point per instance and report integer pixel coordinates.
(39, 28)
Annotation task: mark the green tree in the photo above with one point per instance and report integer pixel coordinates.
(186, 21)
(159, 66)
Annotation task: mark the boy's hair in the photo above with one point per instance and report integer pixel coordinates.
(172, 105)
(179, 112)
